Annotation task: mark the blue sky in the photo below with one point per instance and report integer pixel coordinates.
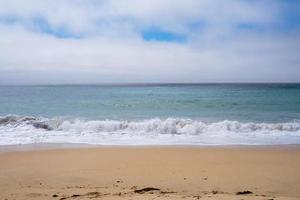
(164, 36)
(149, 41)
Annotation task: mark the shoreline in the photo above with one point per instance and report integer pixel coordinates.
(268, 172)
(78, 146)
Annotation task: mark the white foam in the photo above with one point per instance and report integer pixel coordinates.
(171, 131)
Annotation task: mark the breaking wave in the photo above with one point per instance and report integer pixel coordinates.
(16, 129)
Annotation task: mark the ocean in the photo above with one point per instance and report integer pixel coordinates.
(151, 114)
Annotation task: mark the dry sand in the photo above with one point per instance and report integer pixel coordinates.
(177, 173)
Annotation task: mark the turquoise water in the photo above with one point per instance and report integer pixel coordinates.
(243, 102)
(132, 110)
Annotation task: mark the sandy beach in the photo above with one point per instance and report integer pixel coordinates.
(152, 173)
(150, 100)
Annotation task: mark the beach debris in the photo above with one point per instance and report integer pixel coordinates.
(89, 195)
(167, 192)
(146, 189)
(215, 191)
(96, 194)
(244, 192)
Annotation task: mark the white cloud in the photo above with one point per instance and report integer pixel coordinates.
(113, 49)
(88, 15)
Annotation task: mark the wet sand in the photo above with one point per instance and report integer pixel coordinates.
(258, 172)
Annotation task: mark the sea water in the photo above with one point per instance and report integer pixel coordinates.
(151, 114)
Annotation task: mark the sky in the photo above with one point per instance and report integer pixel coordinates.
(144, 41)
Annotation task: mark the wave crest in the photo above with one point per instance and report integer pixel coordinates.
(171, 131)
(154, 126)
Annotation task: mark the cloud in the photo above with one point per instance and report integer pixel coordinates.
(147, 41)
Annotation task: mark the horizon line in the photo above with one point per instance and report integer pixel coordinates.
(142, 83)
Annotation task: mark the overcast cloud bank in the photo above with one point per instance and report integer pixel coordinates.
(99, 41)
